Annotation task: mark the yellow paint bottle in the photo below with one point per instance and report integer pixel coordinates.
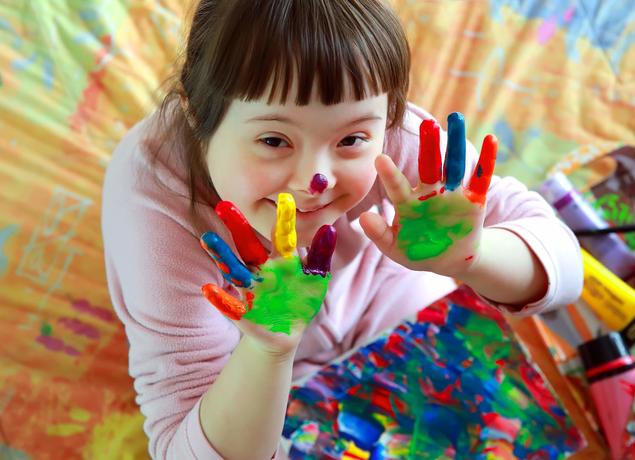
(609, 297)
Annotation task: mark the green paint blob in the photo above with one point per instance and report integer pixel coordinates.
(423, 233)
(46, 329)
(286, 295)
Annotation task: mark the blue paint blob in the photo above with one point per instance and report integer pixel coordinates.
(358, 429)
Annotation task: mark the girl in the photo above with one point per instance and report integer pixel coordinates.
(285, 104)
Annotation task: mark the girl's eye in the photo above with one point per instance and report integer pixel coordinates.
(351, 141)
(274, 142)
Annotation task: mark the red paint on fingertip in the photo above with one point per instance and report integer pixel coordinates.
(249, 246)
(227, 304)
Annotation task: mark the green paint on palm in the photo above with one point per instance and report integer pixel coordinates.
(286, 295)
(423, 233)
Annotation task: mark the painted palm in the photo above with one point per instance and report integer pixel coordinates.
(439, 223)
(279, 293)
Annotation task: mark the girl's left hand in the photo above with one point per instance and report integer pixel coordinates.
(439, 223)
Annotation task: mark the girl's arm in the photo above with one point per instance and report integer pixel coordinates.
(200, 386)
(507, 270)
(242, 413)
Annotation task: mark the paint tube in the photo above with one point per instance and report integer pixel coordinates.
(610, 371)
(609, 297)
(578, 214)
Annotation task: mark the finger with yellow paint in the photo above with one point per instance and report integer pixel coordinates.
(285, 237)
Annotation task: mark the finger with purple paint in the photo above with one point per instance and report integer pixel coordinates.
(231, 267)
(455, 151)
(321, 251)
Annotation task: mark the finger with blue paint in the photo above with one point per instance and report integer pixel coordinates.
(231, 267)
(455, 151)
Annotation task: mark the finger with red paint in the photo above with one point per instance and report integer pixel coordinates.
(476, 190)
(430, 169)
(251, 250)
(227, 304)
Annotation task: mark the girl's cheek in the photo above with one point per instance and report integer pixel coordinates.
(362, 176)
(261, 178)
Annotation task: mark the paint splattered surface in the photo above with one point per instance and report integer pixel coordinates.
(553, 81)
(452, 383)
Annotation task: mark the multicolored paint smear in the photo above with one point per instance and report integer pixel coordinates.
(452, 383)
(283, 292)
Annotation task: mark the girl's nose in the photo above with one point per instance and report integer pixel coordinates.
(313, 175)
(319, 182)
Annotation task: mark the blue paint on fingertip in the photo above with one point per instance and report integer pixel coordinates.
(232, 269)
(455, 151)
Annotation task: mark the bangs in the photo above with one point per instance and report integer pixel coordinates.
(338, 49)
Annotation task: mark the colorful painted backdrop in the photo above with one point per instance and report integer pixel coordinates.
(553, 80)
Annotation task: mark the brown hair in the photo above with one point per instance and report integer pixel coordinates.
(238, 49)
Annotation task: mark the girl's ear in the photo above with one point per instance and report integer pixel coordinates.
(185, 107)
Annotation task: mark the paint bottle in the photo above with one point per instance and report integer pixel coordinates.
(610, 298)
(578, 214)
(610, 371)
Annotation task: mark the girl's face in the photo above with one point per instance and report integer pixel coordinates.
(260, 150)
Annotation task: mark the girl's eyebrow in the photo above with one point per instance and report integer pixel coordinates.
(283, 119)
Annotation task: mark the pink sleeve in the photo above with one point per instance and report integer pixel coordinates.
(510, 206)
(155, 268)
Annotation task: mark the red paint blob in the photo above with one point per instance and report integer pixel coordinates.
(428, 196)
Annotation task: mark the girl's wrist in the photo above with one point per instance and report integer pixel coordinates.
(277, 355)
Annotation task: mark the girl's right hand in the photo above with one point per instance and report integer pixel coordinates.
(280, 294)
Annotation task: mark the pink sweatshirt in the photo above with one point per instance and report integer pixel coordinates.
(179, 343)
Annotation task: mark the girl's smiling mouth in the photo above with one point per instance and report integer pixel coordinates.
(308, 211)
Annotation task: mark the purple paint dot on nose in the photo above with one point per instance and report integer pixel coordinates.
(319, 183)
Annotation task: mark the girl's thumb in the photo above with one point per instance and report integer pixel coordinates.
(377, 230)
